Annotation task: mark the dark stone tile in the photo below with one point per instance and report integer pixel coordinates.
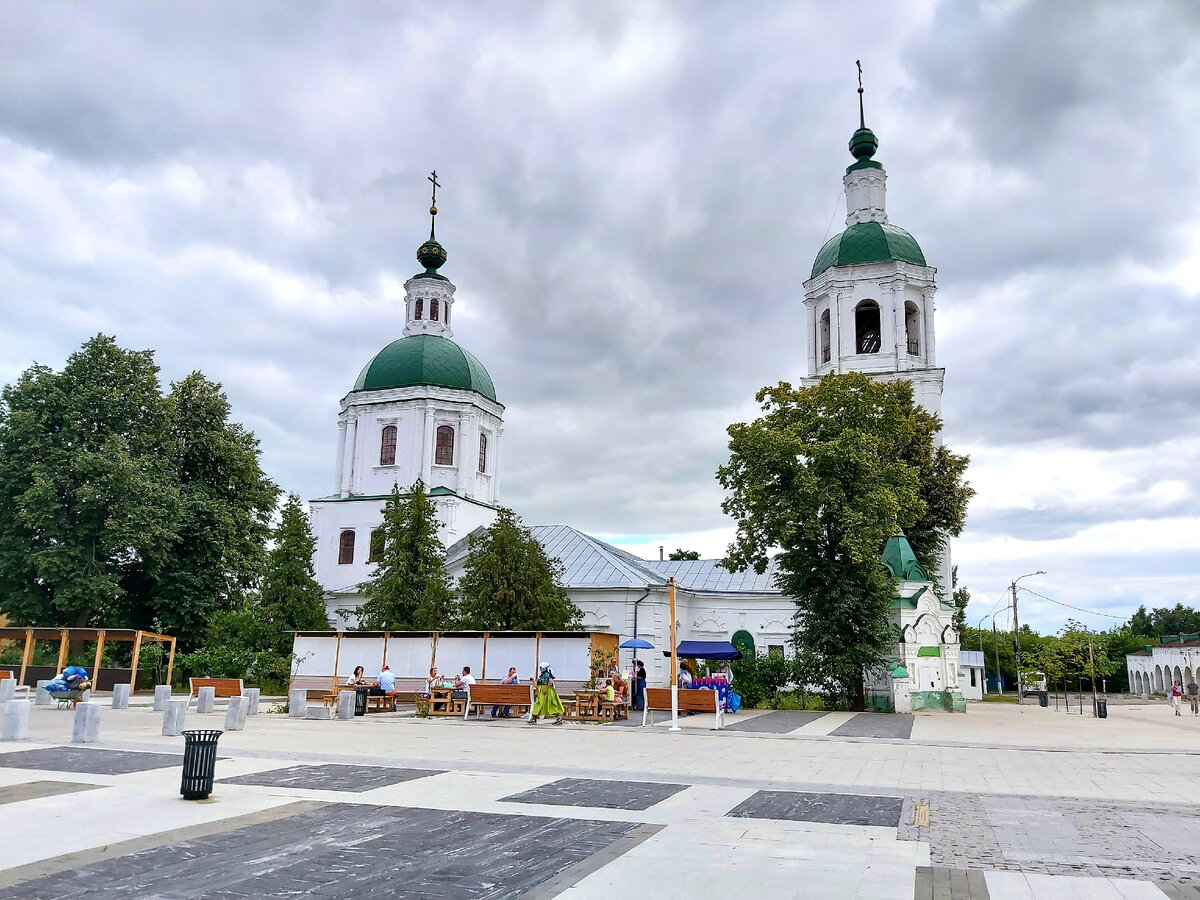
(599, 794)
(347, 850)
(89, 760)
(833, 809)
(879, 725)
(332, 777)
(779, 722)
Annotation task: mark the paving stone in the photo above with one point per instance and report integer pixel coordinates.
(90, 760)
(779, 722)
(348, 851)
(599, 794)
(332, 777)
(877, 725)
(832, 809)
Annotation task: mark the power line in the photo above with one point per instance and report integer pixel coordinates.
(1090, 612)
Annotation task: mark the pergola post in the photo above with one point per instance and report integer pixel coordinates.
(99, 658)
(483, 671)
(27, 654)
(137, 650)
(63, 643)
(337, 652)
(170, 665)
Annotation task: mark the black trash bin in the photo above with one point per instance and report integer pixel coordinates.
(199, 763)
(1043, 699)
(360, 700)
(1101, 708)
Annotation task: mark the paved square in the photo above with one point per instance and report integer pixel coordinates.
(331, 777)
(587, 792)
(343, 850)
(831, 809)
(92, 761)
(780, 722)
(876, 725)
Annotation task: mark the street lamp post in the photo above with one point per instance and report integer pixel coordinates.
(1017, 626)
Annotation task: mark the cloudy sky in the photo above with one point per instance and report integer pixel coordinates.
(633, 196)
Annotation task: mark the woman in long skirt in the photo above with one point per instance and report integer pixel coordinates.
(547, 702)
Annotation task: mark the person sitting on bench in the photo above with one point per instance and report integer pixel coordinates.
(387, 683)
(461, 682)
(510, 678)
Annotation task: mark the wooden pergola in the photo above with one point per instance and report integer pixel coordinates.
(65, 636)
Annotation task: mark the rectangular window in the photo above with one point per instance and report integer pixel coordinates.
(433, 310)
(972, 678)
(346, 548)
(444, 449)
(376, 545)
(775, 650)
(387, 450)
(482, 454)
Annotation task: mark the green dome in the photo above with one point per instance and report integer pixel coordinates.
(868, 242)
(425, 359)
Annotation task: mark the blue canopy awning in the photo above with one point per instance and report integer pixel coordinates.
(706, 650)
(637, 644)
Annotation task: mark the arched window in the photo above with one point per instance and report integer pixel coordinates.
(433, 310)
(387, 447)
(376, 550)
(420, 309)
(482, 453)
(912, 327)
(444, 452)
(866, 327)
(346, 548)
(826, 350)
(447, 314)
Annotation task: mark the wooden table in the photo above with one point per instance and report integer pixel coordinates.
(587, 704)
(442, 702)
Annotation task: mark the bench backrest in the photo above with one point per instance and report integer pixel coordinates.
(514, 694)
(222, 687)
(5, 673)
(692, 700)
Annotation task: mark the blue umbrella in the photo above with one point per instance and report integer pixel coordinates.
(637, 644)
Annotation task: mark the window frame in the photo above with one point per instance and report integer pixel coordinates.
(439, 446)
(345, 547)
(483, 448)
(375, 546)
(385, 446)
(419, 309)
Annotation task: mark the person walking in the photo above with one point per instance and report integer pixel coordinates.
(640, 689)
(1176, 697)
(547, 702)
(1193, 695)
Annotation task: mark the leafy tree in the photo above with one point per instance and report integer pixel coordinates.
(684, 554)
(509, 584)
(290, 599)
(827, 475)
(1142, 623)
(1179, 619)
(961, 598)
(120, 506)
(410, 588)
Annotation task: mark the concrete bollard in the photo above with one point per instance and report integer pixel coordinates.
(41, 696)
(8, 689)
(87, 723)
(318, 712)
(346, 704)
(297, 704)
(252, 696)
(15, 724)
(121, 696)
(206, 698)
(173, 718)
(162, 693)
(235, 715)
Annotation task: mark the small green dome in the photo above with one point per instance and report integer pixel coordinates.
(868, 242)
(432, 256)
(425, 359)
(863, 143)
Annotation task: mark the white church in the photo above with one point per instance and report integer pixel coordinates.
(424, 406)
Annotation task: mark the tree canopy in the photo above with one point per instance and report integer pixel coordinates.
(680, 554)
(1165, 620)
(121, 506)
(409, 588)
(509, 584)
(825, 476)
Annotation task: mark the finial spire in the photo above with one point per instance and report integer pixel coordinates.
(433, 202)
(862, 119)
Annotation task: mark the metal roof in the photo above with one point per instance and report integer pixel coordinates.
(707, 575)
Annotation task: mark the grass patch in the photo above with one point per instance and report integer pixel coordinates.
(996, 698)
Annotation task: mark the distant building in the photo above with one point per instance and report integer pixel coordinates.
(971, 674)
(1155, 669)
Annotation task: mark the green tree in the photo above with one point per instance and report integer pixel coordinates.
(827, 475)
(410, 588)
(290, 599)
(961, 598)
(1179, 619)
(509, 584)
(1141, 622)
(684, 554)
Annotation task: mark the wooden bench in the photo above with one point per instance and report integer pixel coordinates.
(481, 695)
(699, 700)
(223, 688)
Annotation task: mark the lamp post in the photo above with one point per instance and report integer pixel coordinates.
(996, 646)
(1017, 626)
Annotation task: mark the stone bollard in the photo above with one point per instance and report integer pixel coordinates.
(87, 723)
(162, 693)
(318, 712)
(235, 716)
(8, 689)
(206, 697)
(15, 725)
(41, 696)
(297, 704)
(173, 716)
(121, 696)
(252, 696)
(346, 704)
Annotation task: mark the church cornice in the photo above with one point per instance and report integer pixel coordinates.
(850, 277)
(411, 395)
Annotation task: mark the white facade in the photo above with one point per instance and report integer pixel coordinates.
(972, 674)
(1154, 672)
